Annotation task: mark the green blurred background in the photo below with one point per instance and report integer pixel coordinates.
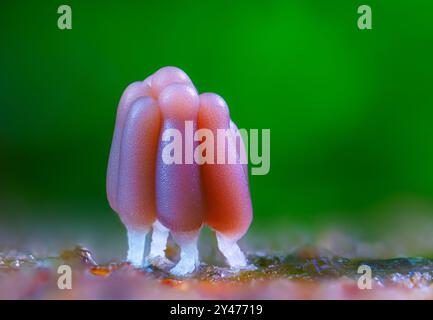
(350, 111)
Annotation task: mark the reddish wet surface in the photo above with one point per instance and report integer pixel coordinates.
(304, 274)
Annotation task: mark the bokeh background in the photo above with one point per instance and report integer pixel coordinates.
(350, 111)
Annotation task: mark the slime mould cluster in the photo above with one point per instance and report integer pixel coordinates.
(151, 189)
